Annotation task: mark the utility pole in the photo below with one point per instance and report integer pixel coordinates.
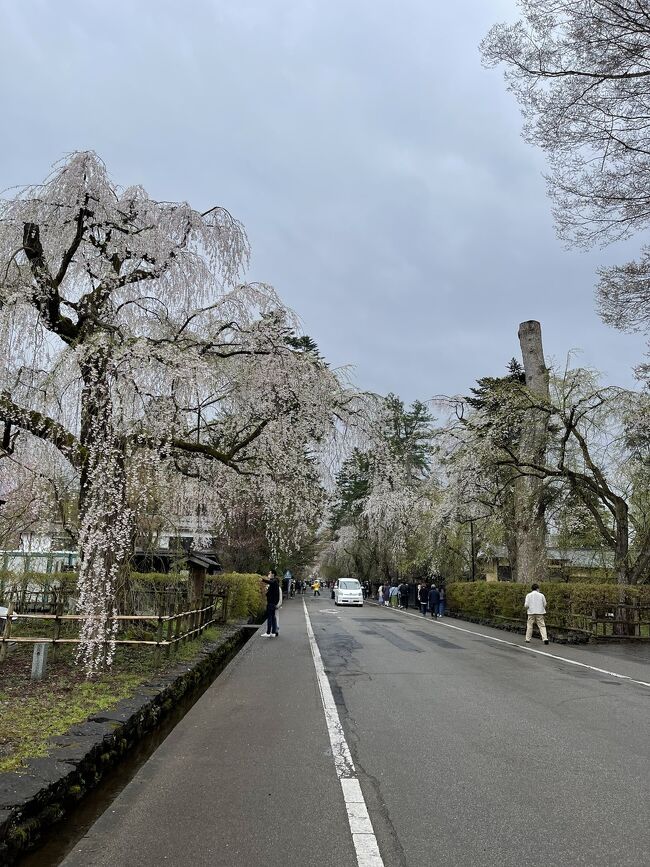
(471, 542)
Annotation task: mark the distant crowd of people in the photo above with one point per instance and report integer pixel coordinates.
(429, 597)
(298, 586)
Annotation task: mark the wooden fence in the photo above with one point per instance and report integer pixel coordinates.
(170, 630)
(621, 621)
(616, 622)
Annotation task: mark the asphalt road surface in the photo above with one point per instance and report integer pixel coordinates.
(470, 750)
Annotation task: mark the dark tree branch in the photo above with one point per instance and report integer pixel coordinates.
(46, 296)
(74, 246)
(43, 427)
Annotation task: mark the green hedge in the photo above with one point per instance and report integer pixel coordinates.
(246, 597)
(486, 599)
(41, 579)
(246, 593)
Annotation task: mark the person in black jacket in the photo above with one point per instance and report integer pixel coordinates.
(423, 597)
(434, 599)
(272, 599)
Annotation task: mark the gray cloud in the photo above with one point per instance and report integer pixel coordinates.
(378, 168)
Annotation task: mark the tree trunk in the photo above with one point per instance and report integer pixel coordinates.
(104, 518)
(510, 533)
(530, 524)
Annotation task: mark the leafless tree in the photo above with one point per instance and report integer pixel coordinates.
(580, 70)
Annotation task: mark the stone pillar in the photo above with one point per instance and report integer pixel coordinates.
(39, 660)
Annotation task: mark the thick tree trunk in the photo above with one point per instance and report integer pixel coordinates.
(104, 518)
(530, 524)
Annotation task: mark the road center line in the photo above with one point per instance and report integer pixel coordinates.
(524, 649)
(363, 835)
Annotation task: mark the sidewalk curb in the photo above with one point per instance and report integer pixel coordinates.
(40, 794)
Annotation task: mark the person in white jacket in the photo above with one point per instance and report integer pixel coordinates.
(277, 613)
(535, 605)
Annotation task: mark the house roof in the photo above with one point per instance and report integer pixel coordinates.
(586, 558)
(207, 560)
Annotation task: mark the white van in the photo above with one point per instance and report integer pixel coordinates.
(348, 592)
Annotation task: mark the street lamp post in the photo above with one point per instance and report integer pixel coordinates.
(471, 542)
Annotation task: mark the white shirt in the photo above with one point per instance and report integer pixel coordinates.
(535, 602)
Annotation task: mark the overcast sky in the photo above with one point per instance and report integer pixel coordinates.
(378, 168)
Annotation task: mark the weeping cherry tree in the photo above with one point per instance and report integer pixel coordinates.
(133, 351)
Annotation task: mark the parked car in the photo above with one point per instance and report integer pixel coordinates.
(348, 592)
(4, 611)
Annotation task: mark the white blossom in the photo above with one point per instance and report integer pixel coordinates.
(135, 350)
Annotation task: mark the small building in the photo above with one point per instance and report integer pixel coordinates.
(165, 560)
(47, 550)
(563, 564)
(43, 551)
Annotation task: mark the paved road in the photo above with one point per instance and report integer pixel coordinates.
(469, 751)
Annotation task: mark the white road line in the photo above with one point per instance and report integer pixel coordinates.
(524, 649)
(363, 835)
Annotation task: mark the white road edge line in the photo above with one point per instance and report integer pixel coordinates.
(363, 835)
(524, 649)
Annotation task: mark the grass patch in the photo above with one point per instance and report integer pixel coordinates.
(32, 712)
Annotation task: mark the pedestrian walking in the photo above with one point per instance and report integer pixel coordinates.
(393, 596)
(441, 602)
(535, 605)
(316, 587)
(273, 595)
(380, 594)
(403, 595)
(423, 597)
(434, 600)
(386, 594)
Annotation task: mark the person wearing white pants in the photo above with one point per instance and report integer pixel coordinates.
(535, 605)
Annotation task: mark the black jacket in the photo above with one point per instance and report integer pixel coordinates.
(273, 591)
(434, 596)
(423, 594)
